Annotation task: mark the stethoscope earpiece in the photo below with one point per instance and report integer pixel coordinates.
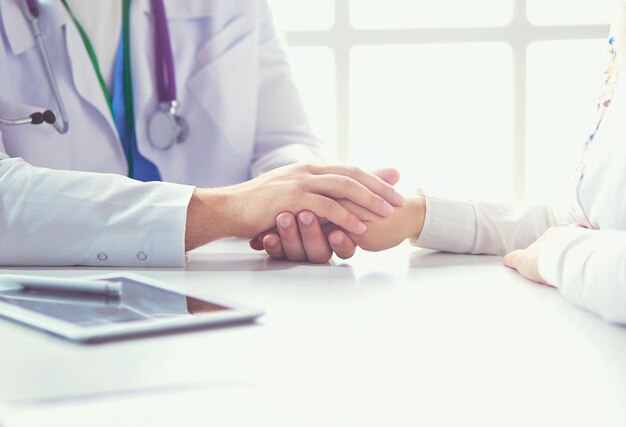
(34, 119)
(31, 11)
(45, 116)
(49, 117)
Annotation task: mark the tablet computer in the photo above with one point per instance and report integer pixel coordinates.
(145, 306)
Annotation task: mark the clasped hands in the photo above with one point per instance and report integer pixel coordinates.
(387, 219)
(306, 212)
(337, 207)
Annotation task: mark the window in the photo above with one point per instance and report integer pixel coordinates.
(386, 14)
(568, 12)
(439, 109)
(491, 98)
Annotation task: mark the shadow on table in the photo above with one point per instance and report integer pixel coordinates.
(221, 262)
(430, 259)
(239, 262)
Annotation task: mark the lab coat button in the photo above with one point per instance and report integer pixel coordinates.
(102, 256)
(142, 256)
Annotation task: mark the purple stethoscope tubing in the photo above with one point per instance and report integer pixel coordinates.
(166, 127)
(166, 74)
(33, 8)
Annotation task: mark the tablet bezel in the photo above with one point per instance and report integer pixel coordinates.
(235, 313)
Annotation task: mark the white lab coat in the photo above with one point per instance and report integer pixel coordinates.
(236, 92)
(587, 265)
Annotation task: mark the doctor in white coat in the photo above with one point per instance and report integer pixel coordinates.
(67, 198)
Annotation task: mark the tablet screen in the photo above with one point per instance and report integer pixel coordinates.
(138, 302)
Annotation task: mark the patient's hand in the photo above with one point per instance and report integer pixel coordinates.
(383, 233)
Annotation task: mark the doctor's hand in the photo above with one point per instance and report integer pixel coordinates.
(304, 237)
(250, 208)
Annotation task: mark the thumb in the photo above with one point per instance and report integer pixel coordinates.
(390, 176)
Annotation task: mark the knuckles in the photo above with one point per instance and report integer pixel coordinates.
(355, 171)
(329, 205)
(303, 168)
(345, 183)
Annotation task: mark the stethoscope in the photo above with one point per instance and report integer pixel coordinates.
(165, 128)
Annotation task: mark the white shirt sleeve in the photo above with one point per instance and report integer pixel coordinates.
(589, 268)
(53, 218)
(283, 133)
(467, 226)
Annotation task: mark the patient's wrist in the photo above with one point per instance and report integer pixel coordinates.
(416, 206)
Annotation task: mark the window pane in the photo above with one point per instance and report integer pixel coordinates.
(314, 73)
(428, 13)
(564, 83)
(441, 114)
(569, 12)
(303, 15)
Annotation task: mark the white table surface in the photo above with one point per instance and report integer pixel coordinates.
(402, 338)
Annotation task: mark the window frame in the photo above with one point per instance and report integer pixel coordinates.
(518, 34)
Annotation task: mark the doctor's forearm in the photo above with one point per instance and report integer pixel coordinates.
(205, 220)
(58, 218)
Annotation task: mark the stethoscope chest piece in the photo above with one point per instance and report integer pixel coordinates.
(166, 128)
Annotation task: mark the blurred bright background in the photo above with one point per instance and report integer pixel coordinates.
(489, 98)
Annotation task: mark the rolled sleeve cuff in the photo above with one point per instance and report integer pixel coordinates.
(151, 234)
(449, 225)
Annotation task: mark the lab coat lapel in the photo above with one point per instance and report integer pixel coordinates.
(85, 77)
